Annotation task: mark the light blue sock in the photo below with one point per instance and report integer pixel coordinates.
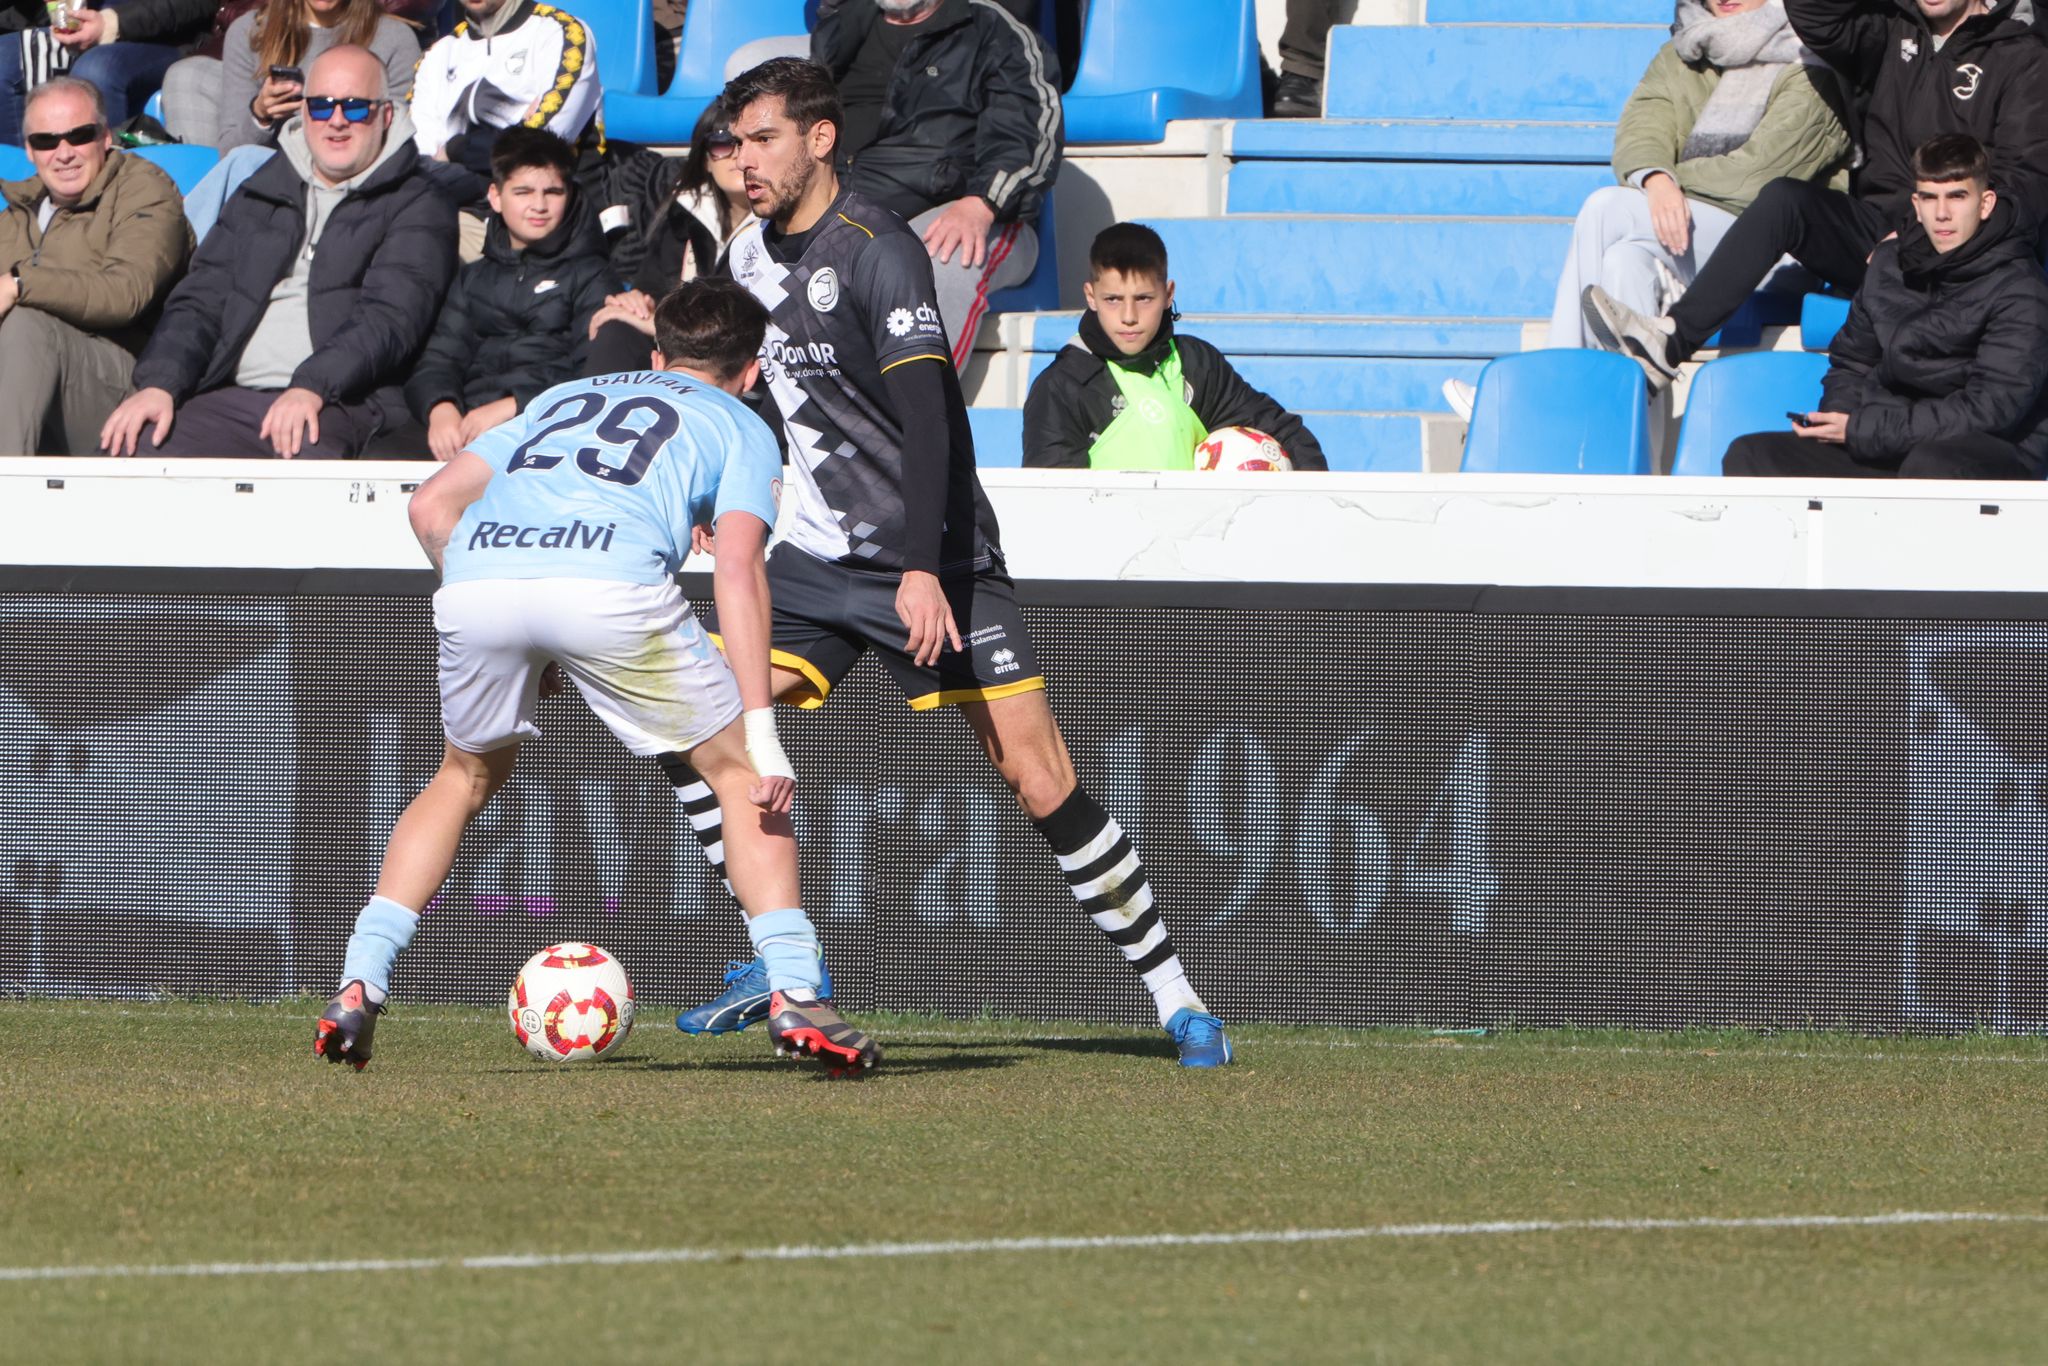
(789, 949)
(382, 929)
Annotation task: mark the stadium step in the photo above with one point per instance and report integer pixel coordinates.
(1657, 12)
(1274, 335)
(1345, 383)
(1456, 189)
(1579, 142)
(1465, 268)
(1505, 73)
(1352, 441)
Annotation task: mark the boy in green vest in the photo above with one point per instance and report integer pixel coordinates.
(1126, 393)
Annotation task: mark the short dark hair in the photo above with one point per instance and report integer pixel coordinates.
(1951, 156)
(524, 149)
(806, 89)
(1127, 249)
(710, 324)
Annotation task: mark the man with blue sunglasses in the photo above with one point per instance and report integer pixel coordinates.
(310, 298)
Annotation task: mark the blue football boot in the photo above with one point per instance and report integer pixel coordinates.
(1199, 1037)
(743, 1002)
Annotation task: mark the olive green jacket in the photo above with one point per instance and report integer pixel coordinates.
(107, 263)
(1803, 133)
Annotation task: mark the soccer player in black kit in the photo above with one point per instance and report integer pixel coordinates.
(894, 546)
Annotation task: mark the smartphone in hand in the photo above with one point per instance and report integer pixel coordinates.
(1801, 419)
(294, 75)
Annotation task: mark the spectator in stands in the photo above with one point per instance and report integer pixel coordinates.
(953, 122)
(1731, 103)
(510, 62)
(1127, 393)
(311, 297)
(1304, 45)
(517, 322)
(91, 245)
(1939, 371)
(123, 49)
(1918, 68)
(235, 99)
(687, 230)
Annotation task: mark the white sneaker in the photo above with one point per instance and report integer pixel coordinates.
(1461, 397)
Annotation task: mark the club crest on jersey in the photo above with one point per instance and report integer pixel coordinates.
(823, 290)
(748, 257)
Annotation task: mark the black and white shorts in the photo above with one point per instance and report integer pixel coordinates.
(828, 615)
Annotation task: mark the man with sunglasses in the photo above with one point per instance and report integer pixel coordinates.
(89, 247)
(310, 298)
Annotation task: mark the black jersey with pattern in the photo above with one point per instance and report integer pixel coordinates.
(856, 302)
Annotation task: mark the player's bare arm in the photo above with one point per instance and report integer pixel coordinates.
(438, 504)
(739, 584)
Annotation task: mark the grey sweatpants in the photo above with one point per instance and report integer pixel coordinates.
(964, 290)
(48, 367)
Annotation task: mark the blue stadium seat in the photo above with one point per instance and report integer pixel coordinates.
(1820, 317)
(1040, 292)
(1560, 412)
(185, 165)
(712, 31)
(14, 163)
(1737, 395)
(154, 106)
(998, 437)
(1143, 63)
(624, 30)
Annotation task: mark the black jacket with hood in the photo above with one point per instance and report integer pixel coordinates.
(973, 108)
(515, 322)
(1073, 402)
(381, 263)
(1990, 80)
(1944, 346)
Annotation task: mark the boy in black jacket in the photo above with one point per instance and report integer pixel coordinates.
(1938, 373)
(516, 322)
(1127, 393)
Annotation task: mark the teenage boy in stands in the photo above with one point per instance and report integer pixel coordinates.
(1126, 393)
(1918, 69)
(517, 322)
(1938, 372)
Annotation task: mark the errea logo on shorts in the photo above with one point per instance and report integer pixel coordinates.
(823, 290)
(1005, 661)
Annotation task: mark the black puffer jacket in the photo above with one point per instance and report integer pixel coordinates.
(515, 322)
(973, 108)
(1941, 346)
(181, 23)
(1989, 80)
(1073, 402)
(383, 263)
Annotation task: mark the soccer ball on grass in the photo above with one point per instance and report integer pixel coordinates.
(571, 1003)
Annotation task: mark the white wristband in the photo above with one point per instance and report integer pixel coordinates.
(764, 747)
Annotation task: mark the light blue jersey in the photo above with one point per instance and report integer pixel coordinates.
(603, 479)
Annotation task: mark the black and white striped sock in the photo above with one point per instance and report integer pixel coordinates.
(1110, 882)
(700, 805)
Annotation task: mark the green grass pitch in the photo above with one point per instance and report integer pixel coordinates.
(166, 1135)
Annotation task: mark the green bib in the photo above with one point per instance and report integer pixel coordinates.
(1156, 430)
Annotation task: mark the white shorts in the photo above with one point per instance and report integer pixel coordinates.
(635, 652)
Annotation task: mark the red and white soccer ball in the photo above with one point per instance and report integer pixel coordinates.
(571, 1003)
(1240, 449)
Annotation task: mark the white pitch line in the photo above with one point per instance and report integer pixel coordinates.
(866, 1251)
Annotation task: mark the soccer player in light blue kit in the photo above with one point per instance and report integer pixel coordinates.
(558, 536)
